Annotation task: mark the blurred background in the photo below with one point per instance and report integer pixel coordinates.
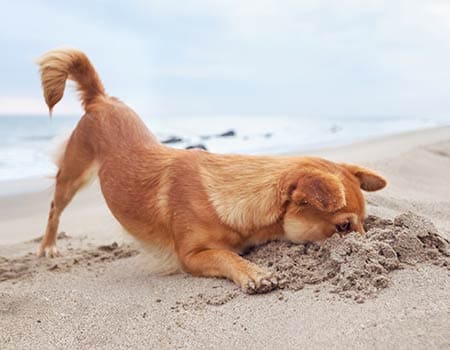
(241, 76)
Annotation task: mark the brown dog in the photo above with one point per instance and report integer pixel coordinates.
(206, 208)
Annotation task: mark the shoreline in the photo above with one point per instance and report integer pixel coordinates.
(395, 142)
(24, 154)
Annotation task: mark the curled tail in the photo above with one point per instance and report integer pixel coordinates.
(57, 66)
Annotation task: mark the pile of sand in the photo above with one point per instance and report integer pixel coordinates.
(356, 266)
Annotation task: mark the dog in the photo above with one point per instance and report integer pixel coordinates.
(205, 208)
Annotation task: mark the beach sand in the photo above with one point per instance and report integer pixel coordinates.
(101, 295)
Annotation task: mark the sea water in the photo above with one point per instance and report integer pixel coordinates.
(27, 142)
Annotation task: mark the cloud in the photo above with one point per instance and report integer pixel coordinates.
(309, 57)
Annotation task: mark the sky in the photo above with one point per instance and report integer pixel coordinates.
(343, 58)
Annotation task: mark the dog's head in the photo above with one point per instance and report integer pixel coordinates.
(324, 197)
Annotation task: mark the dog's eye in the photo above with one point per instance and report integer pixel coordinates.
(343, 227)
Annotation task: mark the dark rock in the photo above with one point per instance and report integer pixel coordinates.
(199, 146)
(228, 133)
(172, 139)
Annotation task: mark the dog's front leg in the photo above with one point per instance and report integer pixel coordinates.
(224, 263)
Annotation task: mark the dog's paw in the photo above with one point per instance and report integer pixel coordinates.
(48, 251)
(258, 283)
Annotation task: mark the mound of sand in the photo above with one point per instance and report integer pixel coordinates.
(356, 266)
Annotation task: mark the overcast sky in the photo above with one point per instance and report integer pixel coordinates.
(239, 57)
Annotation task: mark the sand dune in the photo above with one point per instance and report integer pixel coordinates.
(100, 295)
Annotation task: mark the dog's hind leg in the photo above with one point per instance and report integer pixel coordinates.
(75, 170)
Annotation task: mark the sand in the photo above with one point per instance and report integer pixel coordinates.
(83, 257)
(389, 289)
(356, 266)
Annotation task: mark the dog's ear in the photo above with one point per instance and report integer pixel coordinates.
(322, 190)
(369, 180)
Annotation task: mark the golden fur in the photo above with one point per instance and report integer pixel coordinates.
(204, 207)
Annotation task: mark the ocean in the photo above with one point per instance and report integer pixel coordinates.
(27, 142)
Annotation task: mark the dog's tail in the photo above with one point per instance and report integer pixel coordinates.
(57, 66)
